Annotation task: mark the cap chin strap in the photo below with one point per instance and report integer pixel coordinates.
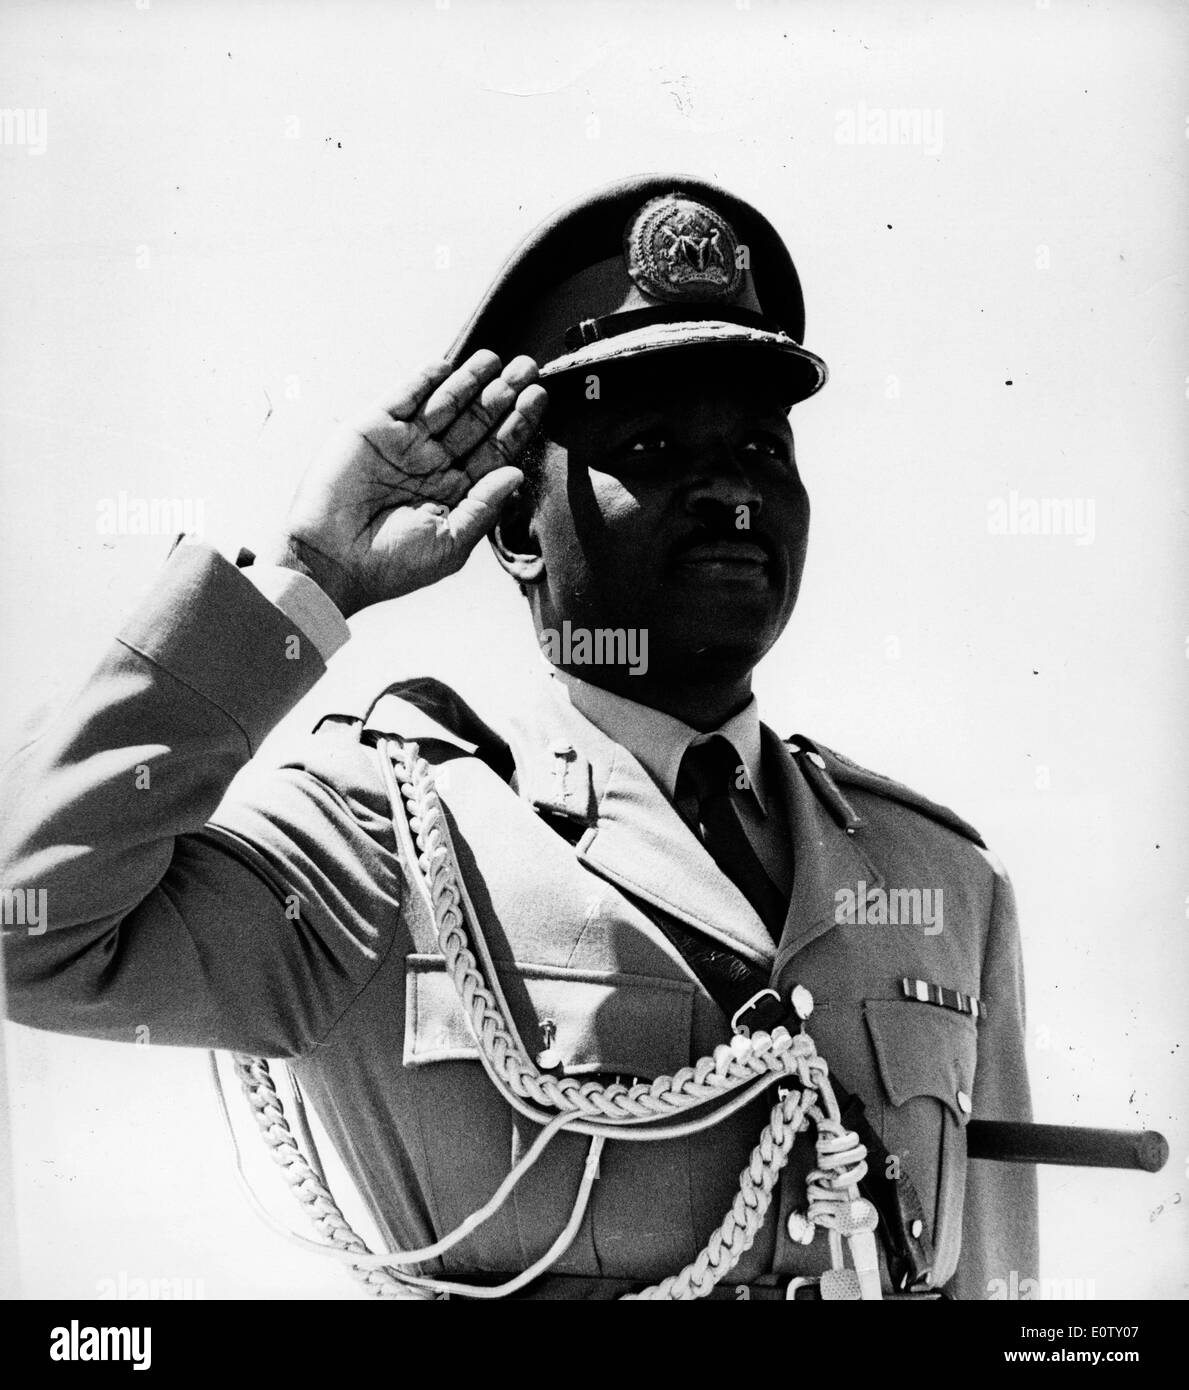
(732, 1076)
(588, 331)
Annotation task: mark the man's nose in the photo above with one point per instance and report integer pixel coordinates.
(718, 474)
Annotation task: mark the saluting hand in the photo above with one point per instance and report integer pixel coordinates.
(399, 500)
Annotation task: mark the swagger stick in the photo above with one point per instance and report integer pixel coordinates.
(1005, 1141)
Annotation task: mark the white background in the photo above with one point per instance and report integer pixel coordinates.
(245, 207)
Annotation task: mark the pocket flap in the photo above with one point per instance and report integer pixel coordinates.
(922, 1050)
(633, 1025)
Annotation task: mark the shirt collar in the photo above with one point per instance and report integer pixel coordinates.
(658, 741)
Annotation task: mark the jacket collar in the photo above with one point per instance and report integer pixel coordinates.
(657, 740)
(630, 834)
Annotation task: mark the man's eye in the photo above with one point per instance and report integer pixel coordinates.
(651, 442)
(768, 444)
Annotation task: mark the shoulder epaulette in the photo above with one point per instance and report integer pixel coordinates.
(847, 773)
(436, 702)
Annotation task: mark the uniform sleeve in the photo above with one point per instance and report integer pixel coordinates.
(999, 1225)
(138, 895)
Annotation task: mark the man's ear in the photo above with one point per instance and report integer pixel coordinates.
(515, 542)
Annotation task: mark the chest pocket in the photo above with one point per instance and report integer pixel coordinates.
(604, 1024)
(926, 1058)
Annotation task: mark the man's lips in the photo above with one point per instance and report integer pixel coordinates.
(724, 551)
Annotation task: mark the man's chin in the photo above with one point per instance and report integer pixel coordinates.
(730, 616)
(717, 649)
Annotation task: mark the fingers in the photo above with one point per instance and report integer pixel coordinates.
(480, 397)
(479, 510)
(405, 405)
(476, 417)
(459, 389)
(479, 419)
(509, 441)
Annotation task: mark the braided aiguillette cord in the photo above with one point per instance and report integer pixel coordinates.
(745, 1067)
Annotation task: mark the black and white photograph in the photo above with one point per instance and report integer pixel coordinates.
(594, 603)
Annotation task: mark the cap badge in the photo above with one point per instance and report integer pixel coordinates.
(677, 249)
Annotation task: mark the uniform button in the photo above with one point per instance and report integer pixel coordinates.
(917, 1227)
(964, 1103)
(549, 1058)
(800, 1228)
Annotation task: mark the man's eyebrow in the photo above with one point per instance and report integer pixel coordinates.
(627, 417)
(771, 413)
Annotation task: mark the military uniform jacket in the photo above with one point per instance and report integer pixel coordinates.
(281, 920)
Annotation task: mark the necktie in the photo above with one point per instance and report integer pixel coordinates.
(706, 786)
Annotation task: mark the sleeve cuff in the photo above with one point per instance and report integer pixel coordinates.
(303, 602)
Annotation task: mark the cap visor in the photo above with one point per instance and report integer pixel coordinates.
(807, 372)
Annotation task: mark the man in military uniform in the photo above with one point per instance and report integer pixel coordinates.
(648, 868)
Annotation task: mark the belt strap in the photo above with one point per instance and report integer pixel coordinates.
(596, 1288)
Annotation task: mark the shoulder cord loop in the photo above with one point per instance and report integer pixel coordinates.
(733, 1075)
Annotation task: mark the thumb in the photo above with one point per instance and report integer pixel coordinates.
(479, 510)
